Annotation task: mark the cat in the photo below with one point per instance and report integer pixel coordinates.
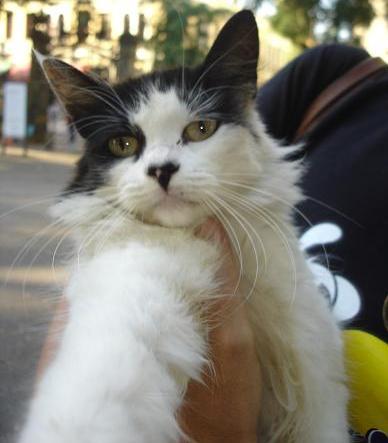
(163, 152)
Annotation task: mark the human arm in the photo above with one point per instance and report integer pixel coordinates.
(225, 408)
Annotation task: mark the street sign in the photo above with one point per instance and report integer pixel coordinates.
(15, 110)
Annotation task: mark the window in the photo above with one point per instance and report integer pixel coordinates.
(83, 26)
(30, 25)
(61, 27)
(9, 18)
(104, 32)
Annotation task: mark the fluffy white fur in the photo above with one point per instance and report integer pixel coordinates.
(136, 333)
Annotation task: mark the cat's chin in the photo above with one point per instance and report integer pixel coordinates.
(183, 216)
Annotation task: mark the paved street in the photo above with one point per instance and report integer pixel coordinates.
(28, 284)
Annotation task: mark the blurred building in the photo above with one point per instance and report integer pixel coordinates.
(88, 33)
(95, 35)
(108, 37)
(104, 36)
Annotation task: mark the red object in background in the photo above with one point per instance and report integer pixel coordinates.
(19, 73)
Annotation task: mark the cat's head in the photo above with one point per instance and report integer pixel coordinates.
(163, 147)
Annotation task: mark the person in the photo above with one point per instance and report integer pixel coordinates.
(344, 181)
(343, 225)
(344, 221)
(343, 217)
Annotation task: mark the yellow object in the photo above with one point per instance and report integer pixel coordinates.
(367, 369)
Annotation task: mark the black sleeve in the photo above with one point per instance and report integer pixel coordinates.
(345, 181)
(284, 99)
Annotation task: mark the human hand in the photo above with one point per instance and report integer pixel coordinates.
(225, 408)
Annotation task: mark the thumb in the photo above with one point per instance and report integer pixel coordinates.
(212, 230)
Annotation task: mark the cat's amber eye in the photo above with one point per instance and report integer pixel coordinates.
(200, 130)
(124, 146)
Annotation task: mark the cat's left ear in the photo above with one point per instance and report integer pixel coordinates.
(232, 60)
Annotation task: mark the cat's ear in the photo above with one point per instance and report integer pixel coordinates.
(81, 95)
(232, 60)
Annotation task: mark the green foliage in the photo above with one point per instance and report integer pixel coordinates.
(297, 19)
(294, 20)
(182, 32)
(354, 12)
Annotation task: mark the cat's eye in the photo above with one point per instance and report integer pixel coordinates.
(200, 130)
(124, 146)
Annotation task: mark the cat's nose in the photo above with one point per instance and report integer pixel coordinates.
(163, 173)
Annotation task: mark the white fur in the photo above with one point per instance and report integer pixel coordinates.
(136, 333)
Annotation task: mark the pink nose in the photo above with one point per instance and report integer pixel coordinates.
(163, 173)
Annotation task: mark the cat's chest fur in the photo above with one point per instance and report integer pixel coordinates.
(173, 257)
(133, 339)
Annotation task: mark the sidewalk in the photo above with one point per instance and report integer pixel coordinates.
(56, 157)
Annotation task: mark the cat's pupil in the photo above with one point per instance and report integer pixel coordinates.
(202, 127)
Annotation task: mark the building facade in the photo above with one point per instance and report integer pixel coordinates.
(91, 34)
(108, 37)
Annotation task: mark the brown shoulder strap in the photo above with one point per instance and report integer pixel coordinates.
(339, 88)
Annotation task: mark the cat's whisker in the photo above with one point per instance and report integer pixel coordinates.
(256, 234)
(228, 196)
(33, 260)
(116, 219)
(108, 123)
(204, 107)
(222, 204)
(216, 320)
(94, 229)
(42, 248)
(264, 215)
(136, 194)
(32, 241)
(96, 116)
(183, 50)
(335, 210)
(106, 126)
(275, 197)
(49, 198)
(103, 128)
(24, 250)
(99, 226)
(100, 94)
(121, 103)
(58, 245)
(232, 236)
(210, 90)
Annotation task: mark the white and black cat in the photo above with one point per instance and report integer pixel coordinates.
(163, 152)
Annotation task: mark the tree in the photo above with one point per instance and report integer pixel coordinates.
(294, 19)
(298, 19)
(182, 32)
(345, 15)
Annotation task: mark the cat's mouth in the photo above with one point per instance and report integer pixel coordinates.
(172, 211)
(169, 201)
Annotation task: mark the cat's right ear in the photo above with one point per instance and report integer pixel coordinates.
(232, 60)
(81, 95)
